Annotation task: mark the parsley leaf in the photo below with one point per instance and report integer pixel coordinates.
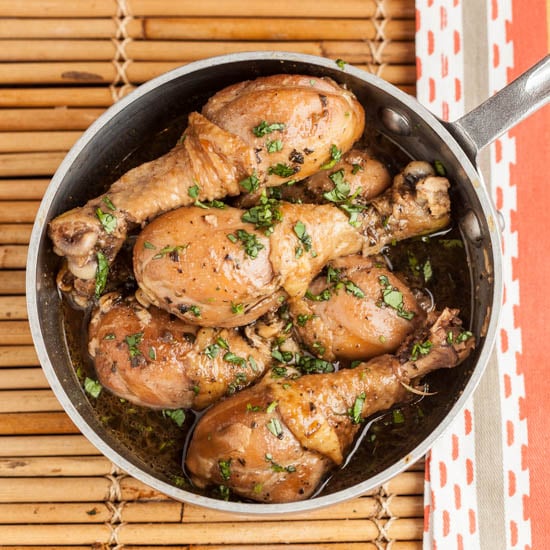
(265, 128)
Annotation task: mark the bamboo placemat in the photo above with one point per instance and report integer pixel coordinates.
(61, 64)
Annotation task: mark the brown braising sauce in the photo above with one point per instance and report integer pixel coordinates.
(437, 265)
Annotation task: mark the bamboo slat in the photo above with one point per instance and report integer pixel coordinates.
(45, 445)
(18, 355)
(30, 164)
(137, 72)
(15, 233)
(12, 282)
(35, 423)
(17, 142)
(22, 378)
(396, 545)
(276, 29)
(55, 466)
(28, 401)
(17, 211)
(175, 512)
(12, 98)
(14, 333)
(211, 28)
(188, 50)
(258, 8)
(22, 189)
(12, 307)
(67, 28)
(13, 256)
(59, 97)
(58, 118)
(211, 533)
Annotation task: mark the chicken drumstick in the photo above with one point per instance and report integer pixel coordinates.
(257, 133)
(217, 267)
(275, 441)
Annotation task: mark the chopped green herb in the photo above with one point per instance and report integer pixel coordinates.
(152, 353)
(312, 365)
(225, 468)
(149, 245)
(275, 427)
(224, 492)
(394, 298)
(279, 371)
(253, 408)
(281, 170)
(463, 336)
(92, 387)
(177, 415)
(251, 183)
(230, 357)
(451, 243)
(271, 407)
(173, 251)
(303, 318)
(193, 191)
(277, 467)
(356, 168)
(341, 63)
(238, 309)
(335, 156)
(109, 336)
(264, 215)
(340, 195)
(341, 189)
(420, 349)
(258, 488)
(133, 341)
(397, 416)
(196, 389)
(249, 241)
(222, 342)
(321, 297)
(215, 204)
(252, 363)
(109, 203)
(439, 168)
(274, 146)
(212, 351)
(427, 271)
(353, 289)
(108, 221)
(195, 310)
(355, 413)
(303, 236)
(265, 128)
(101, 274)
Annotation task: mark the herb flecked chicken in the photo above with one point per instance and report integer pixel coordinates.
(276, 441)
(263, 132)
(226, 266)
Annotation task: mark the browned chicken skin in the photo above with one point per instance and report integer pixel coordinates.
(367, 176)
(214, 268)
(153, 359)
(266, 131)
(356, 310)
(275, 441)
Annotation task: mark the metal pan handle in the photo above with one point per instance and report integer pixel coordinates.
(522, 97)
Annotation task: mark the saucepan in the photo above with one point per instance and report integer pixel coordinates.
(147, 122)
